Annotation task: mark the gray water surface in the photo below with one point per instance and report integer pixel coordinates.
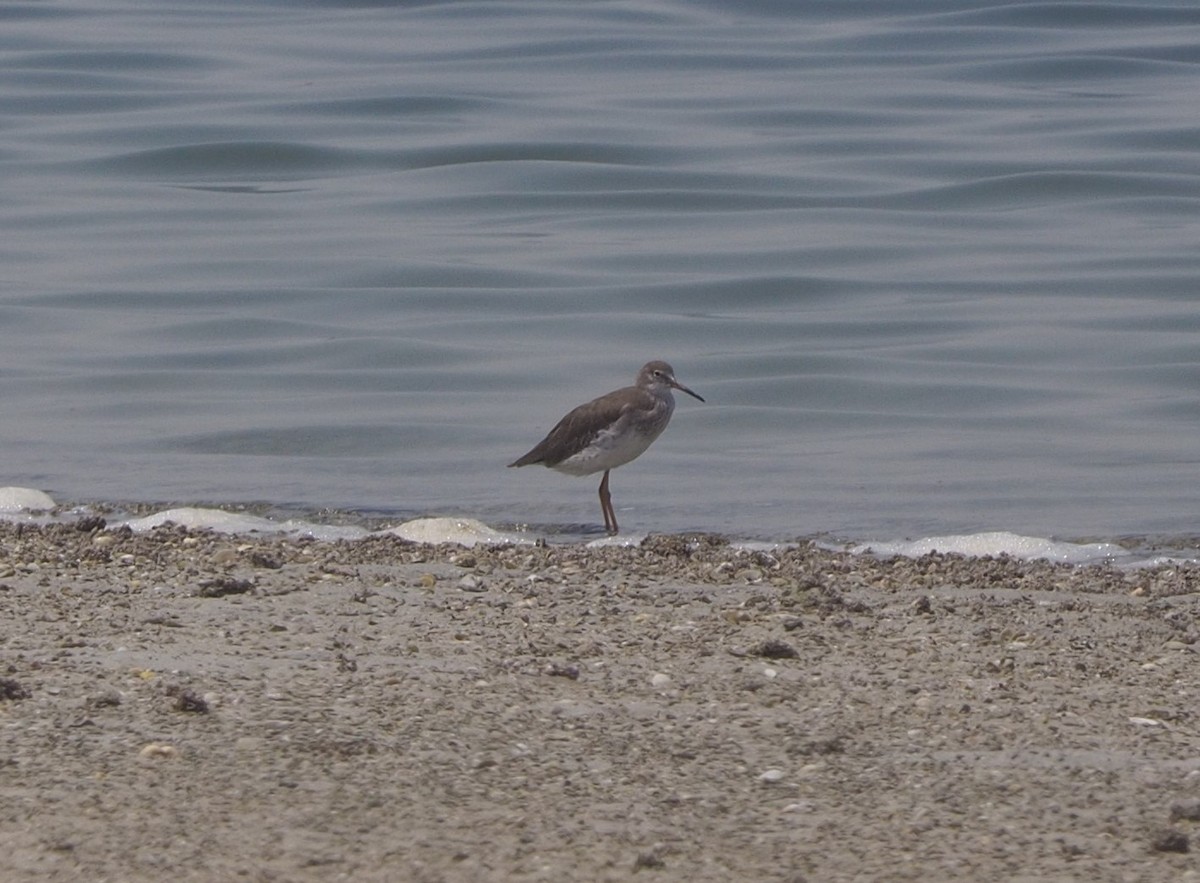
(934, 266)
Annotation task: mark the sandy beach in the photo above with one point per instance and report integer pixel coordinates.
(183, 705)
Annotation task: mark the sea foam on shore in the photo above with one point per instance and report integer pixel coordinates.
(36, 507)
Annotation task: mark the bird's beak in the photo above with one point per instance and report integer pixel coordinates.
(679, 386)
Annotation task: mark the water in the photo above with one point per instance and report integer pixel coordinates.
(934, 266)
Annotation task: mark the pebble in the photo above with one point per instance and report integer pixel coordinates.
(158, 749)
(1172, 841)
(1146, 722)
(105, 699)
(771, 776)
(471, 584)
(1188, 810)
(773, 648)
(658, 680)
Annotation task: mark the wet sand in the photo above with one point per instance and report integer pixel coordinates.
(187, 706)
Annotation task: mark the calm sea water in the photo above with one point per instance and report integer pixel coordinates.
(934, 265)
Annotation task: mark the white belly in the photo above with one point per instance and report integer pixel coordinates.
(608, 450)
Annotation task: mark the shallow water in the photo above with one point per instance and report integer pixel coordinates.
(934, 272)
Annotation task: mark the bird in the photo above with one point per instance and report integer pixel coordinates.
(611, 430)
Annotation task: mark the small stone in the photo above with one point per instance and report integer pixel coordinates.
(105, 699)
(1145, 722)
(10, 689)
(265, 560)
(225, 557)
(774, 649)
(771, 776)
(471, 584)
(658, 680)
(650, 859)
(222, 586)
(799, 806)
(1172, 841)
(102, 540)
(159, 750)
(190, 701)
(1187, 810)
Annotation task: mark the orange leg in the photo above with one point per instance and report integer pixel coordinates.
(606, 506)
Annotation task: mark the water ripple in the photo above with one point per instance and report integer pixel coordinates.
(932, 268)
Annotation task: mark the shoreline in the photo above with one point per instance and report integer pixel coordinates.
(207, 706)
(24, 505)
(328, 525)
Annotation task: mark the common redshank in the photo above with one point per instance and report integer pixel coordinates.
(610, 431)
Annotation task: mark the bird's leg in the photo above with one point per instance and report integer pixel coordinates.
(610, 517)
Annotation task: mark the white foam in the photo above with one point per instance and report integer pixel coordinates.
(1164, 560)
(219, 520)
(622, 540)
(762, 546)
(998, 543)
(28, 505)
(463, 531)
(203, 519)
(24, 499)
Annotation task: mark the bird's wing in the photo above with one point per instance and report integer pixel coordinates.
(578, 429)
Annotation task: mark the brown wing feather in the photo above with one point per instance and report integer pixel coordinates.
(579, 428)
